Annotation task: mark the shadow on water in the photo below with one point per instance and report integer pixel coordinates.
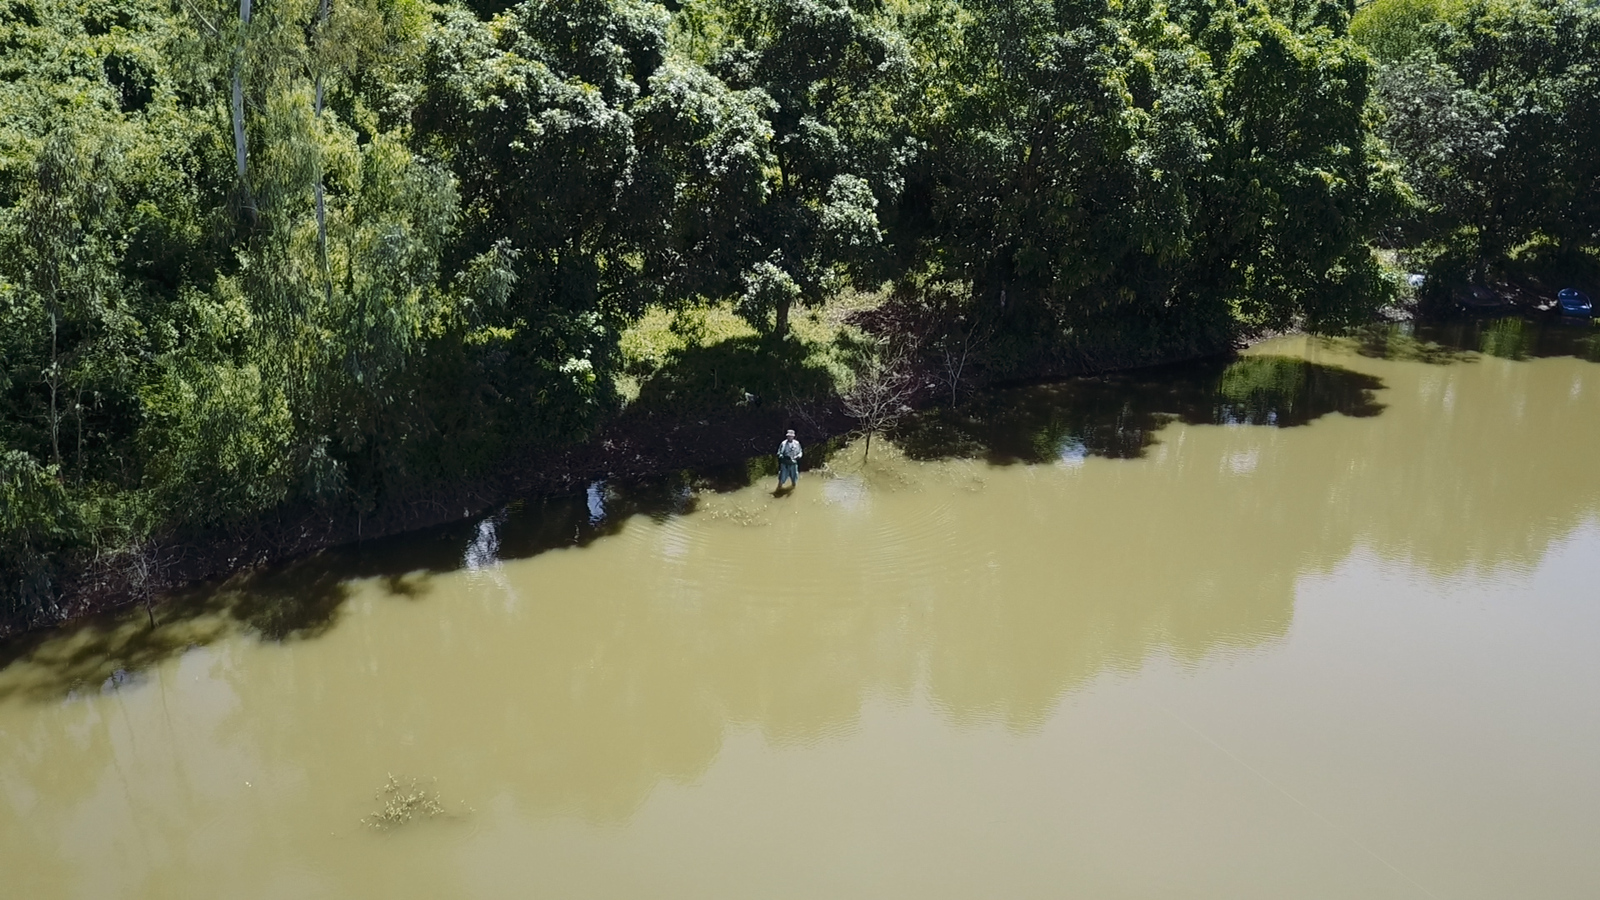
(992, 607)
(302, 599)
(1113, 416)
(1463, 340)
(1117, 416)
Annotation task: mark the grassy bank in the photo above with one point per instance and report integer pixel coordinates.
(707, 358)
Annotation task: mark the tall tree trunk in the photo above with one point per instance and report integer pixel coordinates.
(240, 150)
(782, 330)
(238, 122)
(77, 418)
(54, 381)
(322, 211)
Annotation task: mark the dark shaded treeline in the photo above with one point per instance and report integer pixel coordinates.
(327, 258)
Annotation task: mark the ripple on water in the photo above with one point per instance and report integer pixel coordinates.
(905, 548)
(677, 547)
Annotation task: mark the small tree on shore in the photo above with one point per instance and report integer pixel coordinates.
(881, 395)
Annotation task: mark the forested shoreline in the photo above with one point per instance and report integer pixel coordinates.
(329, 255)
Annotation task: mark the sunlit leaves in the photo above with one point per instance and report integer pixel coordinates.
(1493, 109)
(448, 214)
(1135, 170)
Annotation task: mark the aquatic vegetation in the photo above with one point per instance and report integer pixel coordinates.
(1508, 338)
(1589, 347)
(1399, 341)
(403, 801)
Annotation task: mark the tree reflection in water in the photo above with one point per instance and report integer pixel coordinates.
(1117, 416)
(625, 646)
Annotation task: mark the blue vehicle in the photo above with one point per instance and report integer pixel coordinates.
(1573, 302)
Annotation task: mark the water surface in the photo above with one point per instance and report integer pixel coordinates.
(1318, 623)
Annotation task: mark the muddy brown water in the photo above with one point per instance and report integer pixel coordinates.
(1324, 622)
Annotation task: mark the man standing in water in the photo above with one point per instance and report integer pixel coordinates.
(789, 454)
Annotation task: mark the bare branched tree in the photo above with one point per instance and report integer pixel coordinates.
(881, 395)
(141, 571)
(804, 411)
(956, 350)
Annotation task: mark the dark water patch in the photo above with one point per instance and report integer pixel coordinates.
(1462, 340)
(1280, 391)
(104, 653)
(1401, 342)
(1117, 416)
(302, 600)
(1114, 416)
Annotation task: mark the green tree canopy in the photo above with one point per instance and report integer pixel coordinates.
(1493, 109)
(326, 254)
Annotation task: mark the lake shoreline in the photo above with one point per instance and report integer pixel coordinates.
(629, 447)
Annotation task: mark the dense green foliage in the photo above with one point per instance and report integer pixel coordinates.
(1147, 172)
(1493, 109)
(330, 251)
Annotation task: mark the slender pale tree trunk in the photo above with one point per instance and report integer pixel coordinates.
(54, 381)
(77, 418)
(322, 211)
(240, 149)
